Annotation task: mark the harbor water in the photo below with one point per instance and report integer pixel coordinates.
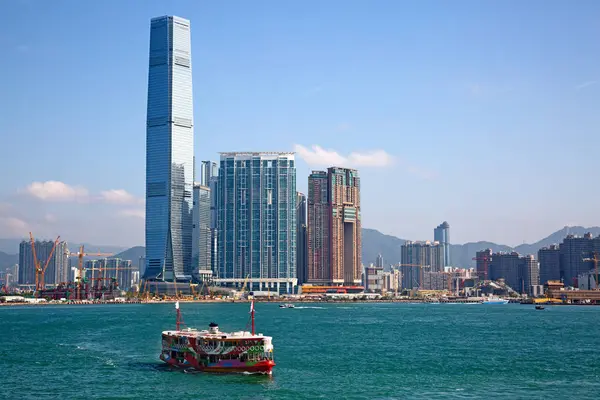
(328, 351)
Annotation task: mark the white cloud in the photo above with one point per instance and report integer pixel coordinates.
(56, 191)
(586, 84)
(60, 191)
(134, 213)
(50, 218)
(317, 155)
(119, 196)
(12, 226)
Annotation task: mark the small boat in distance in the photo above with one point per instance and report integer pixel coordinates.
(495, 300)
(287, 305)
(539, 307)
(215, 351)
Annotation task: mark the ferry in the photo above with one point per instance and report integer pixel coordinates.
(495, 300)
(215, 351)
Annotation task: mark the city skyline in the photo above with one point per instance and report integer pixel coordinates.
(471, 106)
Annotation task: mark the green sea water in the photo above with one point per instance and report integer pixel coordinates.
(322, 351)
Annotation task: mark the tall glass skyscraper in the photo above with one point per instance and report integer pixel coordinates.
(442, 234)
(257, 220)
(169, 151)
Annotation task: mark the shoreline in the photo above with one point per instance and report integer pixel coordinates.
(295, 301)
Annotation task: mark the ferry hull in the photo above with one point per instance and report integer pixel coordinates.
(223, 367)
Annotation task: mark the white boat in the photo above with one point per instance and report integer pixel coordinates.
(288, 305)
(495, 300)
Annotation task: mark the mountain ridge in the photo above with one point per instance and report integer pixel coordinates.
(374, 242)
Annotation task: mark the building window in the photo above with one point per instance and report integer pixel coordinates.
(269, 197)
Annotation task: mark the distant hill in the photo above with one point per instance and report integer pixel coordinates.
(11, 246)
(8, 260)
(556, 238)
(375, 242)
(132, 254)
(461, 255)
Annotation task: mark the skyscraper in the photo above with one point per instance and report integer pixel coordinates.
(201, 236)
(318, 263)
(208, 171)
(442, 234)
(334, 227)
(418, 258)
(344, 199)
(169, 151)
(209, 176)
(257, 220)
(57, 270)
(301, 239)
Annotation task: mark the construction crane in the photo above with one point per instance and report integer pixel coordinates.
(40, 272)
(245, 283)
(80, 254)
(595, 260)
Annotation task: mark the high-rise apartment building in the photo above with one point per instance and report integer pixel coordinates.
(169, 151)
(549, 258)
(345, 250)
(202, 233)
(57, 270)
(417, 258)
(482, 262)
(318, 229)
(442, 234)
(575, 255)
(518, 272)
(209, 177)
(334, 227)
(301, 239)
(257, 220)
(208, 171)
(379, 261)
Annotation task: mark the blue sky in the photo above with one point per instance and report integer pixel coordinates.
(481, 113)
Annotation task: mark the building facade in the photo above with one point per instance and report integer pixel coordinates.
(549, 258)
(334, 227)
(418, 257)
(379, 261)
(202, 233)
(575, 256)
(169, 152)
(345, 249)
(106, 269)
(482, 260)
(209, 177)
(257, 220)
(521, 273)
(301, 239)
(441, 234)
(57, 270)
(373, 279)
(318, 235)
